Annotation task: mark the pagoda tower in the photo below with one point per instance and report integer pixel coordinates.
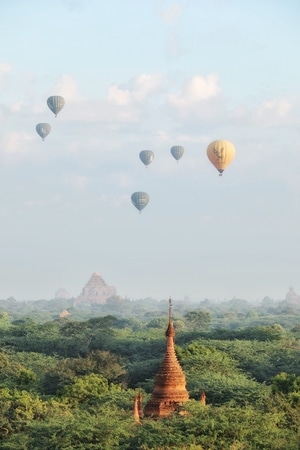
(96, 291)
(169, 386)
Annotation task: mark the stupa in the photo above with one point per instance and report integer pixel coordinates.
(169, 386)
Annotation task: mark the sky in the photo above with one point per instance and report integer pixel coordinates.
(147, 75)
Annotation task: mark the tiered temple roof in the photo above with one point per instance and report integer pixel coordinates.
(170, 386)
(292, 297)
(96, 291)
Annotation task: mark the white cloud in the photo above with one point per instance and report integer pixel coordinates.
(118, 96)
(138, 90)
(273, 112)
(195, 90)
(146, 85)
(15, 147)
(67, 87)
(17, 107)
(199, 99)
(106, 113)
(26, 108)
(123, 104)
(5, 68)
(5, 73)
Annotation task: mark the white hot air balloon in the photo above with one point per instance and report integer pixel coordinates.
(43, 129)
(56, 103)
(140, 200)
(177, 152)
(146, 156)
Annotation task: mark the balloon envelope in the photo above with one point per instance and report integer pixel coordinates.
(56, 103)
(177, 151)
(220, 153)
(140, 200)
(43, 129)
(146, 156)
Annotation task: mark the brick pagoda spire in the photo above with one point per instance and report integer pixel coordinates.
(169, 386)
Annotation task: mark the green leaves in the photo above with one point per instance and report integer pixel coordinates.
(72, 391)
(286, 383)
(198, 319)
(86, 388)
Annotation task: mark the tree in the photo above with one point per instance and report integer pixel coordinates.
(286, 383)
(198, 319)
(86, 388)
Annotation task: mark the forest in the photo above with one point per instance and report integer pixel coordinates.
(69, 382)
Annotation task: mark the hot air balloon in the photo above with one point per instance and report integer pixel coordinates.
(140, 200)
(56, 103)
(220, 153)
(146, 156)
(43, 129)
(177, 152)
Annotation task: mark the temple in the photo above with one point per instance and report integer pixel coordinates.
(169, 386)
(96, 291)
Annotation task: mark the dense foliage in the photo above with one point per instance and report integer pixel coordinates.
(69, 383)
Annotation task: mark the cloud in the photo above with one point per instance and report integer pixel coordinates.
(146, 85)
(106, 113)
(118, 96)
(15, 147)
(17, 107)
(274, 112)
(199, 99)
(67, 87)
(5, 68)
(195, 90)
(123, 104)
(5, 73)
(138, 90)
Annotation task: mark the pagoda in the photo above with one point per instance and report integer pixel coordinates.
(169, 386)
(96, 291)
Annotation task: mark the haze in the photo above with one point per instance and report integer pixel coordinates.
(149, 75)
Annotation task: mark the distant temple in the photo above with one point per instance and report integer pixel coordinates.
(292, 298)
(170, 386)
(96, 291)
(65, 313)
(62, 293)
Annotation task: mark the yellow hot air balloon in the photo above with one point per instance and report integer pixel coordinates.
(220, 153)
